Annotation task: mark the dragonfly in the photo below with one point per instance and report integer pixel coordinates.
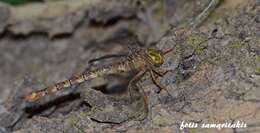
(140, 61)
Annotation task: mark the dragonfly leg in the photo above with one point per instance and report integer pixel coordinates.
(160, 73)
(145, 98)
(157, 83)
(133, 80)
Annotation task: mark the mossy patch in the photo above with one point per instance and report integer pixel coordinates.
(160, 10)
(236, 45)
(198, 42)
(257, 70)
(217, 14)
(19, 2)
(257, 58)
(74, 121)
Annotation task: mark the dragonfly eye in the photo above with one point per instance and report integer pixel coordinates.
(155, 56)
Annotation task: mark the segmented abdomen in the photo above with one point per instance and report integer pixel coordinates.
(117, 68)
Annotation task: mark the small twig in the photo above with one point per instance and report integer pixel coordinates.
(197, 21)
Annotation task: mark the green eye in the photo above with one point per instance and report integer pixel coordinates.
(155, 56)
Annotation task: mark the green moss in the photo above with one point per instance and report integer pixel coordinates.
(257, 70)
(19, 2)
(236, 45)
(257, 58)
(217, 14)
(198, 42)
(160, 11)
(74, 120)
(193, 130)
(78, 129)
(183, 24)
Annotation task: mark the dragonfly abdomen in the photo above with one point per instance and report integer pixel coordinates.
(34, 96)
(112, 69)
(133, 62)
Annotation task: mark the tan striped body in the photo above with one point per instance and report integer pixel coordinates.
(134, 61)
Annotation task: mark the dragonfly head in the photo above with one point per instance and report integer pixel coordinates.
(155, 56)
